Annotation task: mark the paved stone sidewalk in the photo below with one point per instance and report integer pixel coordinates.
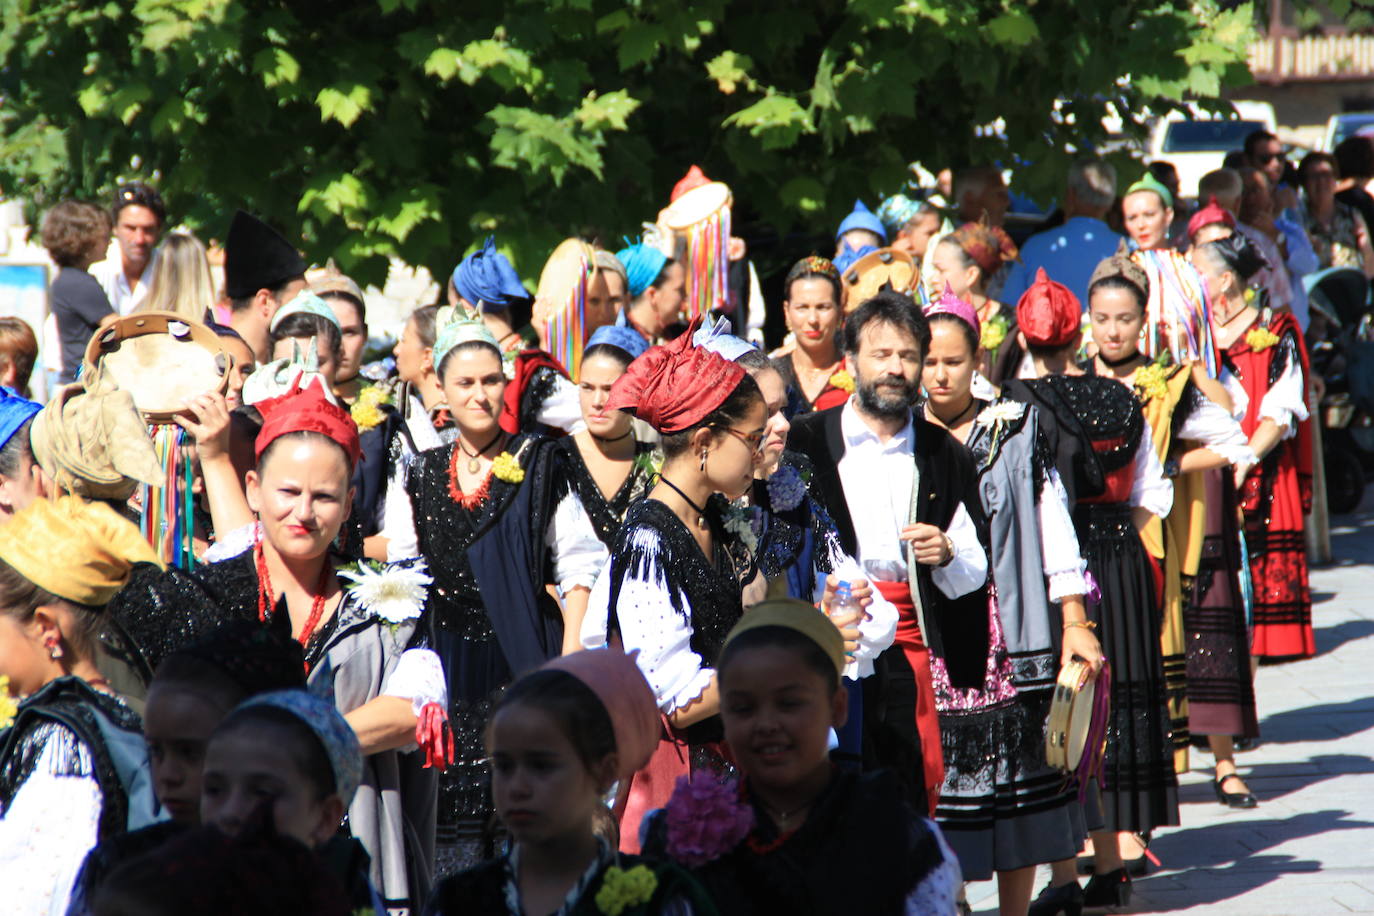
(1308, 849)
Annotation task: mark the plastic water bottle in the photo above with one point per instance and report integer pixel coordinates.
(843, 606)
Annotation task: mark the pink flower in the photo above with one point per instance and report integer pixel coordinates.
(705, 820)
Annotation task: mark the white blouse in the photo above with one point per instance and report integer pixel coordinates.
(1211, 425)
(1150, 489)
(419, 678)
(50, 825)
(648, 623)
(1062, 560)
(1285, 402)
(578, 555)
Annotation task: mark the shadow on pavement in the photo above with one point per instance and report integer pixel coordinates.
(1271, 781)
(1329, 639)
(1217, 861)
(1327, 722)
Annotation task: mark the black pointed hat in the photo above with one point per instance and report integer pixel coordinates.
(257, 257)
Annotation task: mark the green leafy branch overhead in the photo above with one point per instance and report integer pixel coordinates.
(413, 128)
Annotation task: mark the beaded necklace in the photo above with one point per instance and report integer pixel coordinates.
(471, 500)
(267, 599)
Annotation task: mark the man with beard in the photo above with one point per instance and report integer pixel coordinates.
(903, 495)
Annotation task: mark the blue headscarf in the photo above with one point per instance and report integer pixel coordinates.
(898, 210)
(627, 339)
(861, 218)
(487, 280)
(720, 341)
(14, 413)
(845, 259)
(643, 263)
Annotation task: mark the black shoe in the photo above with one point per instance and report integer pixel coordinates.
(1246, 744)
(1233, 799)
(1066, 899)
(1110, 890)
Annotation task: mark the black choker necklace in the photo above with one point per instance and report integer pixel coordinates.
(1118, 363)
(612, 439)
(701, 513)
(973, 402)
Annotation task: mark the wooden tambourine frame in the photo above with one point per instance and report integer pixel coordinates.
(160, 358)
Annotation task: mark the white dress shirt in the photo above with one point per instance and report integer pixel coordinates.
(109, 273)
(877, 477)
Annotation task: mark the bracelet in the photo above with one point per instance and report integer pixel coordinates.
(1082, 624)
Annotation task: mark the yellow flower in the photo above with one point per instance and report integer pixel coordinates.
(8, 708)
(994, 332)
(843, 381)
(366, 411)
(1260, 339)
(622, 889)
(1151, 381)
(506, 468)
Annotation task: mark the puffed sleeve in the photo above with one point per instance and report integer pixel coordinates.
(1285, 402)
(968, 569)
(1063, 561)
(562, 409)
(1150, 489)
(650, 624)
(419, 678)
(398, 526)
(1212, 425)
(578, 555)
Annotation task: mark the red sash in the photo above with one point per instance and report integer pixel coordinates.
(526, 364)
(918, 657)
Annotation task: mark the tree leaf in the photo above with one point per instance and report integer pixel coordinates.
(729, 69)
(276, 66)
(344, 103)
(606, 112)
(1013, 27)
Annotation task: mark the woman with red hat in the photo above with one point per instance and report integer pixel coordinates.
(674, 584)
(360, 625)
(1140, 790)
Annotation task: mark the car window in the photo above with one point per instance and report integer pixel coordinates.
(1207, 136)
(1348, 126)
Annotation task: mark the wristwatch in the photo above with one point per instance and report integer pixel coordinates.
(1171, 469)
(949, 544)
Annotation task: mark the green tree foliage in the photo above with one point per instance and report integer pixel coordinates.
(415, 127)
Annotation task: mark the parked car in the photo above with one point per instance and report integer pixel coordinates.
(1347, 124)
(1197, 142)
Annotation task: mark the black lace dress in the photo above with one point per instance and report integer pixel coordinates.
(608, 514)
(489, 611)
(1140, 786)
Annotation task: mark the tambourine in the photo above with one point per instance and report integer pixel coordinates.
(695, 206)
(161, 358)
(1076, 729)
(886, 267)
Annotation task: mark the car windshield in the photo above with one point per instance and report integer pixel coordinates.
(1348, 126)
(1208, 136)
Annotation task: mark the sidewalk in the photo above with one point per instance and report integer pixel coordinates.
(1308, 849)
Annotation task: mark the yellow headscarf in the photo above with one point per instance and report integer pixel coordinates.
(76, 550)
(794, 614)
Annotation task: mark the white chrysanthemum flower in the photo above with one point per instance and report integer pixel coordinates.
(394, 593)
(1001, 412)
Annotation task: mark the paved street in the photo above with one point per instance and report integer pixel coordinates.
(1309, 848)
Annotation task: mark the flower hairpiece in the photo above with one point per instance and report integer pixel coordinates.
(994, 332)
(786, 488)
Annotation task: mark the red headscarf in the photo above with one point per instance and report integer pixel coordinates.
(675, 386)
(1212, 213)
(307, 409)
(988, 246)
(694, 179)
(1048, 313)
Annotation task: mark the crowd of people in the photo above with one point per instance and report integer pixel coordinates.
(591, 600)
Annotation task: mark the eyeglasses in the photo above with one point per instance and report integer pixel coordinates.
(753, 440)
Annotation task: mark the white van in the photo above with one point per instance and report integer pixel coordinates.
(1196, 141)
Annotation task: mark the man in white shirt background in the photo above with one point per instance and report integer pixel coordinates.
(902, 493)
(126, 274)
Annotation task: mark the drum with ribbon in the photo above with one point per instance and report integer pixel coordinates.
(160, 358)
(886, 268)
(701, 218)
(1076, 728)
(560, 305)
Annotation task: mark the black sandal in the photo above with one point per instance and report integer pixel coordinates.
(1233, 799)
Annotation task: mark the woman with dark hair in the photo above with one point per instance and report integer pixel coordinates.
(966, 260)
(674, 584)
(72, 766)
(1267, 362)
(813, 370)
(499, 521)
(360, 625)
(304, 322)
(1003, 809)
(1338, 232)
(610, 468)
(76, 235)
